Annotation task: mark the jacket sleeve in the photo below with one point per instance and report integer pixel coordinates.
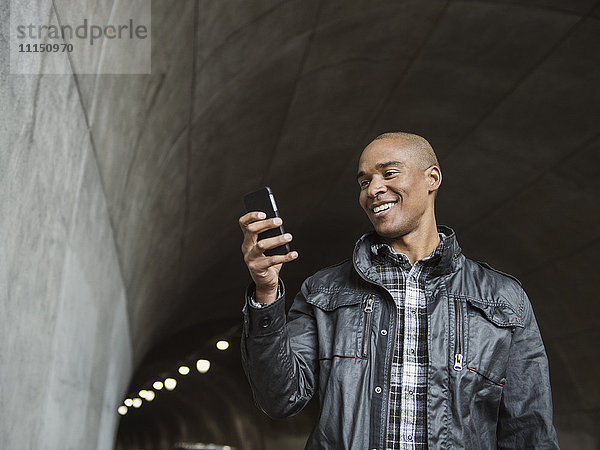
(280, 359)
(525, 416)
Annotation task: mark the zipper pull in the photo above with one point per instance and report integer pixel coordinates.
(366, 336)
(458, 362)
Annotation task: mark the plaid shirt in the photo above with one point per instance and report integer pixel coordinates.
(407, 415)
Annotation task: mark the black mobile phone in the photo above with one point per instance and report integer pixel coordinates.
(264, 200)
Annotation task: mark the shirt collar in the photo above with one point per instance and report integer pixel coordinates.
(382, 251)
(450, 261)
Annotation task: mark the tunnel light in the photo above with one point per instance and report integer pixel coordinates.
(222, 345)
(170, 384)
(184, 370)
(128, 402)
(157, 385)
(122, 410)
(203, 365)
(137, 402)
(147, 395)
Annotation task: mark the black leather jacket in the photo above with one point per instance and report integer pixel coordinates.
(488, 371)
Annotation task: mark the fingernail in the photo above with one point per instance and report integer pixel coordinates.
(262, 215)
(287, 237)
(294, 254)
(277, 221)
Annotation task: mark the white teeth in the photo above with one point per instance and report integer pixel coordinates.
(382, 207)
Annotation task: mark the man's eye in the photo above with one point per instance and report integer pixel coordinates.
(364, 183)
(391, 173)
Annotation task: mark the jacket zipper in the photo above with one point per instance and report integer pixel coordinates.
(396, 325)
(458, 350)
(367, 329)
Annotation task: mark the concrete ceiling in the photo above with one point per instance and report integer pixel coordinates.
(286, 94)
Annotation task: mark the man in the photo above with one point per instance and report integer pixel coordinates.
(409, 344)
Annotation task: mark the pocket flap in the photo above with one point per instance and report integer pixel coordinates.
(499, 314)
(330, 300)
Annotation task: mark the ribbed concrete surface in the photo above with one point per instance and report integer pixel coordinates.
(67, 350)
(66, 345)
(120, 194)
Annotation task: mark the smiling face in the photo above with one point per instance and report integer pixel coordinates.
(397, 188)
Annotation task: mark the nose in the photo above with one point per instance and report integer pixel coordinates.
(376, 186)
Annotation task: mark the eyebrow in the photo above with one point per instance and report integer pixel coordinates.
(382, 166)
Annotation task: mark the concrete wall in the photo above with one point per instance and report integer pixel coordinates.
(66, 348)
(84, 165)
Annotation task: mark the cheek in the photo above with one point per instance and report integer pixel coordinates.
(415, 203)
(362, 199)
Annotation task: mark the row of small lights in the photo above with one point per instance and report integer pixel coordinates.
(202, 365)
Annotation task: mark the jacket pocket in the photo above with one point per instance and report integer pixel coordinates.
(339, 316)
(487, 329)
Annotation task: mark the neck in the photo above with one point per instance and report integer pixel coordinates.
(418, 243)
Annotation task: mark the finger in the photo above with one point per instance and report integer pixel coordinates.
(250, 237)
(255, 250)
(250, 217)
(280, 259)
(276, 241)
(262, 264)
(253, 229)
(264, 225)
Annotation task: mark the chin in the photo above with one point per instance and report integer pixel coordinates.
(390, 231)
(386, 232)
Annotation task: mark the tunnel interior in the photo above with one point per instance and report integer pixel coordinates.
(122, 193)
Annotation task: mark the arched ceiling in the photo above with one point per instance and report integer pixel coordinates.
(287, 93)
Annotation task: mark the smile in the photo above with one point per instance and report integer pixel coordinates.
(383, 207)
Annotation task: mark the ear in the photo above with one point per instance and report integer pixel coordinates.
(434, 178)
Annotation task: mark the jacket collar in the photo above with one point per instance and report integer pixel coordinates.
(449, 261)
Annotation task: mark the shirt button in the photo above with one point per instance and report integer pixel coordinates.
(384, 332)
(411, 392)
(412, 351)
(265, 322)
(409, 437)
(378, 390)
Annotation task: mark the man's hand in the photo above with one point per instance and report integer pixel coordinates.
(264, 270)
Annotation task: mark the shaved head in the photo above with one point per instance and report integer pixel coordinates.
(420, 149)
(416, 151)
